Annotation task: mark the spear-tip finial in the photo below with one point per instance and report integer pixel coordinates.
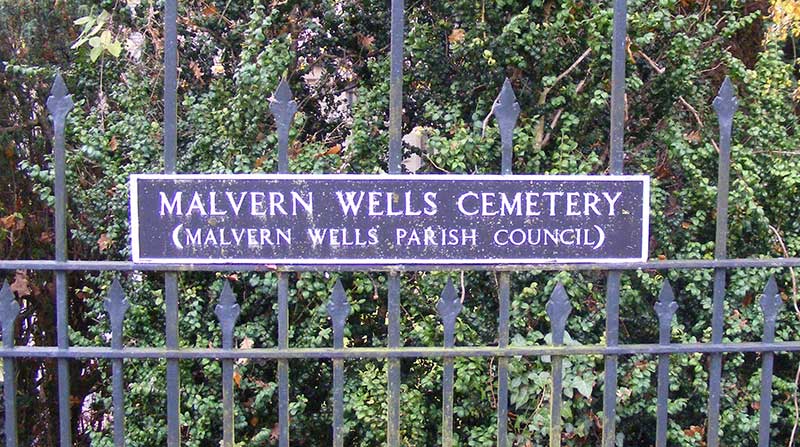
(227, 312)
(282, 106)
(59, 103)
(449, 305)
(558, 309)
(771, 302)
(506, 109)
(283, 93)
(666, 306)
(726, 103)
(338, 307)
(116, 304)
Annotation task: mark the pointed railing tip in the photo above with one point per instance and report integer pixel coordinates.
(338, 306)
(666, 306)
(59, 89)
(771, 302)
(226, 297)
(726, 102)
(59, 103)
(227, 312)
(449, 305)
(283, 93)
(558, 309)
(558, 304)
(116, 304)
(506, 107)
(283, 107)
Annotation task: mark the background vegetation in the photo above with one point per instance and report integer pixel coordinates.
(334, 54)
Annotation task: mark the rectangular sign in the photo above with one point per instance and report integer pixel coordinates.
(388, 219)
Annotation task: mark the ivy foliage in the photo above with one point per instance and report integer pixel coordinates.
(334, 53)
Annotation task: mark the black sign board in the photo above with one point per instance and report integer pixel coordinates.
(388, 219)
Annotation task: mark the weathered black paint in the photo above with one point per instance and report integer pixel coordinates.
(164, 233)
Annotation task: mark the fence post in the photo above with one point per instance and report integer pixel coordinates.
(283, 109)
(506, 111)
(59, 104)
(725, 105)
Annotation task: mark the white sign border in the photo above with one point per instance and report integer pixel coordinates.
(134, 196)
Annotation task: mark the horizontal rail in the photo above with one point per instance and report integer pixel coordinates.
(686, 264)
(384, 353)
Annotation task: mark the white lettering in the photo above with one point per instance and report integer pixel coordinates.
(173, 207)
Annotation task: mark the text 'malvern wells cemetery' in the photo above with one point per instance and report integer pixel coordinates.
(385, 219)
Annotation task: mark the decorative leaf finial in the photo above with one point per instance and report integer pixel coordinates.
(665, 308)
(726, 103)
(558, 309)
(227, 312)
(338, 310)
(116, 306)
(59, 103)
(449, 305)
(282, 106)
(9, 311)
(506, 111)
(771, 302)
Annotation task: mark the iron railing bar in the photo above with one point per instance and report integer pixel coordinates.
(116, 306)
(338, 310)
(118, 401)
(283, 364)
(125, 266)
(448, 379)
(662, 410)
(59, 104)
(502, 362)
(9, 311)
(771, 304)
(617, 158)
(283, 109)
(10, 400)
(338, 402)
(53, 352)
(393, 375)
(396, 87)
(173, 367)
(725, 105)
(506, 109)
(610, 370)
(558, 309)
(227, 311)
(170, 167)
(394, 166)
(556, 392)
(170, 86)
(228, 416)
(715, 367)
(665, 309)
(449, 307)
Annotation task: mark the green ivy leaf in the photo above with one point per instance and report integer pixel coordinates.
(115, 48)
(95, 53)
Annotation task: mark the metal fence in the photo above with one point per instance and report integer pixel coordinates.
(506, 111)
